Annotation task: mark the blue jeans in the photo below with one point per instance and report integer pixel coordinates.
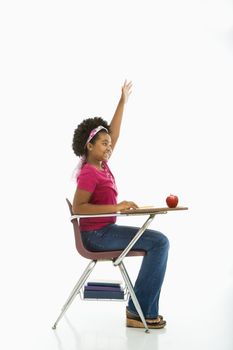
(151, 274)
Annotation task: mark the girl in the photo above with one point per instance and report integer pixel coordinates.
(94, 140)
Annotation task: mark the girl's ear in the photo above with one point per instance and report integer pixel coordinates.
(89, 146)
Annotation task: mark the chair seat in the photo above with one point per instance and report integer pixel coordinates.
(109, 255)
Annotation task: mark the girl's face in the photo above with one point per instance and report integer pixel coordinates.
(101, 149)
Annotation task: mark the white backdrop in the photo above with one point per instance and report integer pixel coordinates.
(63, 61)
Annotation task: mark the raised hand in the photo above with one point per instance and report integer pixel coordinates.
(126, 91)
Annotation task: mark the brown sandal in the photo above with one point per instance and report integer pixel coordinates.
(135, 321)
(138, 324)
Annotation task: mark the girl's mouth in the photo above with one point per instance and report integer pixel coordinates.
(107, 154)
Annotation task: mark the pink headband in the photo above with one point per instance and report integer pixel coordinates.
(94, 132)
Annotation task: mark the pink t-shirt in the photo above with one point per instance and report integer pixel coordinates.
(101, 184)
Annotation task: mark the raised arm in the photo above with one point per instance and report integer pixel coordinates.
(117, 118)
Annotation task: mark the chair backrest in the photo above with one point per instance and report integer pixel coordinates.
(77, 235)
(107, 255)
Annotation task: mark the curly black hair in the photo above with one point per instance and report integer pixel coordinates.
(82, 132)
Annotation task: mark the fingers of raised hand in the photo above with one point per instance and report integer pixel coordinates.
(127, 85)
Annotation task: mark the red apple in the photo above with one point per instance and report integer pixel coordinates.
(172, 201)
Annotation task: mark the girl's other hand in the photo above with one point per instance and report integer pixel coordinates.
(126, 91)
(126, 205)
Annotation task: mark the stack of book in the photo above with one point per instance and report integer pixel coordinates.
(103, 290)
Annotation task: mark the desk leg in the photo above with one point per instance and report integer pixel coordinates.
(132, 294)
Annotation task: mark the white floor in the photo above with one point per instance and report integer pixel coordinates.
(108, 331)
(197, 318)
